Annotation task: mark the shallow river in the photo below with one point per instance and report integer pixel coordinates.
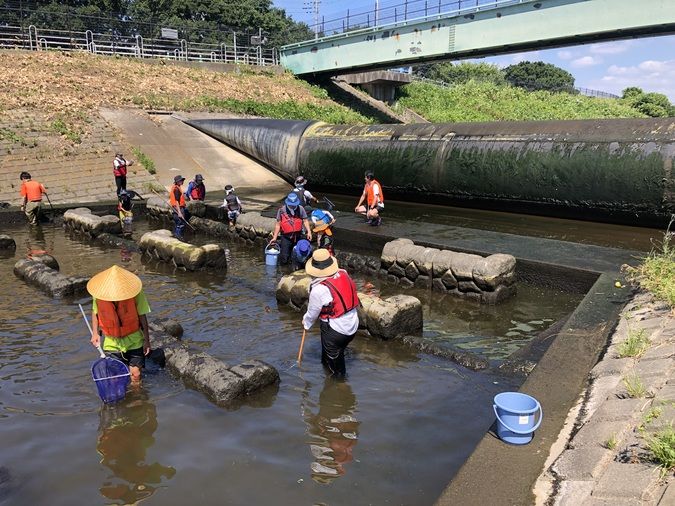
(394, 433)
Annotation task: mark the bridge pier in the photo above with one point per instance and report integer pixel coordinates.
(379, 84)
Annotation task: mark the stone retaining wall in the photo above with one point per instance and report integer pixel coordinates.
(488, 280)
(388, 318)
(82, 220)
(161, 244)
(225, 385)
(48, 279)
(158, 207)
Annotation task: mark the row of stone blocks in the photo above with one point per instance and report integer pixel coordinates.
(399, 315)
(83, 221)
(161, 244)
(223, 384)
(43, 271)
(488, 280)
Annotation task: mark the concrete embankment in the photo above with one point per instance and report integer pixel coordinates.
(615, 170)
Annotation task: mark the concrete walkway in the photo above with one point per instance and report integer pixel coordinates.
(606, 460)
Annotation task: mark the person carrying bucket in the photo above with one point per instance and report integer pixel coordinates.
(291, 218)
(119, 312)
(334, 301)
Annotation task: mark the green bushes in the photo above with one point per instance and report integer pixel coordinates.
(145, 161)
(475, 101)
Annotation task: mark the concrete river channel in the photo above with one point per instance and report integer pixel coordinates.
(395, 432)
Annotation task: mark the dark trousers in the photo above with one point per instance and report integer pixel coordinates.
(333, 345)
(121, 182)
(179, 223)
(286, 244)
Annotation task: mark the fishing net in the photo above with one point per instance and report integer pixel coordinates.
(111, 377)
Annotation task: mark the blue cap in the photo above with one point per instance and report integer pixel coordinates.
(304, 247)
(292, 200)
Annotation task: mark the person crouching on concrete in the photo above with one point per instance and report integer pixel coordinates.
(31, 192)
(374, 200)
(322, 222)
(334, 301)
(291, 218)
(196, 189)
(301, 253)
(119, 312)
(232, 205)
(178, 211)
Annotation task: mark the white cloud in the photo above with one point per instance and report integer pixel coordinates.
(531, 56)
(616, 47)
(565, 55)
(586, 61)
(650, 75)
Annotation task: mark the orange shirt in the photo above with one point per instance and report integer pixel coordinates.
(32, 190)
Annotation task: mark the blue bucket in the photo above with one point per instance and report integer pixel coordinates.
(271, 254)
(515, 414)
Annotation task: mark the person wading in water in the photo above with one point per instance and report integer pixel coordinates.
(334, 301)
(119, 311)
(179, 212)
(31, 192)
(291, 217)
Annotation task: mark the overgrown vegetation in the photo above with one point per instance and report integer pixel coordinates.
(634, 386)
(11, 136)
(60, 127)
(611, 443)
(662, 448)
(144, 160)
(656, 274)
(635, 344)
(476, 101)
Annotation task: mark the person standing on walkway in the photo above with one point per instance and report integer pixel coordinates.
(334, 301)
(196, 189)
(374, 199)
(305, 196)
(291, 218)
(178, 211)
(120, 165)
(119, 311)
(31, 192)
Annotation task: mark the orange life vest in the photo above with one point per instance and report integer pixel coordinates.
(118, 319)
(343, 291)
(176, 196)
(290, 224)
(371, 194)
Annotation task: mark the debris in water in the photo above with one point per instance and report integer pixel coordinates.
(268, 309)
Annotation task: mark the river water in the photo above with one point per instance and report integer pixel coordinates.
(394, 433)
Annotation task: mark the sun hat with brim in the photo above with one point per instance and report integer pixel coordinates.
(304, 247)
(178, 179)
(292, 200)
(114, 284)
(322, 264)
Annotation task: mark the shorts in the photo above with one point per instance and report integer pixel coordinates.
(132, 358)
(380, 209)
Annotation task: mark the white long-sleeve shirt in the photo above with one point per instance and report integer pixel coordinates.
(320, 296)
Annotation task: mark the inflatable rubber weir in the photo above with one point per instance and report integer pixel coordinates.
(617, 170)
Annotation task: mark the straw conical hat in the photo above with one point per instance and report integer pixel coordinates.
(114, 284)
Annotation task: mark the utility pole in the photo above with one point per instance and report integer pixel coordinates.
(313, 7)
(377, 11)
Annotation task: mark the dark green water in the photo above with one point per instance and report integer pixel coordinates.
(395, 432)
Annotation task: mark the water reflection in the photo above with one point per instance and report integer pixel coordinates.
(125, 434)
(334, 430)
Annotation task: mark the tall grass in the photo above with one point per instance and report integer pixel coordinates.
(476, 101)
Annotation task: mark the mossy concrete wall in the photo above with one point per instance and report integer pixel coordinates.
(616, 170)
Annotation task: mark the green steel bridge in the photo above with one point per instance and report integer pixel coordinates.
(484, 29)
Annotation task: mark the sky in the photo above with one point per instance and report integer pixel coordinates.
(648, 63)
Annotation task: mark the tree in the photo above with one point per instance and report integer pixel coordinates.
(654, 105)
(463, 72)
(539, 76)
(632, 92)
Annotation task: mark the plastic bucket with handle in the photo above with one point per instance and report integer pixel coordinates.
(516, 415)
(271, 253)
